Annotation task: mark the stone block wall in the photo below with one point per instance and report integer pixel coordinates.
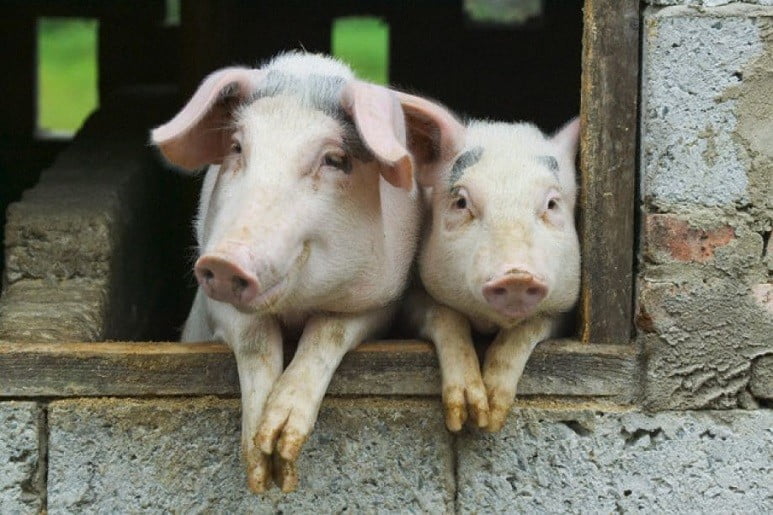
(705, 298)
(700, 438)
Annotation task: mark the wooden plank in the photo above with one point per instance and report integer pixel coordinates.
(558, 367)
(608, 163)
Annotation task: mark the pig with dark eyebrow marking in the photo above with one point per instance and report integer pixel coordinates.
(500, 255)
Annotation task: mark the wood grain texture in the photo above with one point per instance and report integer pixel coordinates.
(608, 163)
(559, 367)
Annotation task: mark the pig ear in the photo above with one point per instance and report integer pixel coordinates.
(567, 138)
(197, 135)
(435, 136)
(380, 123)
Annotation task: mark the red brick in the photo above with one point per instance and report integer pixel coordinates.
(672, 238)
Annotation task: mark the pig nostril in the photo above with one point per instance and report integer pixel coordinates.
(499, 291)
(533, 291)
(240, 283)
(208, 275)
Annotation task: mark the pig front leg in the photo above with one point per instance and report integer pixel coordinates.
(259, 364)
(292, 407)
(197, 328)
(463, 391)
(257, 347)
(504, 363)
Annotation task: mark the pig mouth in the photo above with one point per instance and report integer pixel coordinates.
(272, 296)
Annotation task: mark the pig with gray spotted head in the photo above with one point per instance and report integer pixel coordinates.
(500, 255)
(307, 224)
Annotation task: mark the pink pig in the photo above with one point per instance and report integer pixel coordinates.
(500, 255)
(307, 224)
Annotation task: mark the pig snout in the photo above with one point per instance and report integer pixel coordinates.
(515, 293)
(225, 280)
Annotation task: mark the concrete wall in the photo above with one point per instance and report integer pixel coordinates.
(705, 301)
(700, 440)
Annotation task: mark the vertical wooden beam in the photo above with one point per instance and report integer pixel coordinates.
(608, 162)
(205, 29)
(131, 49)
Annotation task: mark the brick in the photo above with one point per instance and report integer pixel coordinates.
(569, 461)
(22, 475)
(673, 238)
(183, 456)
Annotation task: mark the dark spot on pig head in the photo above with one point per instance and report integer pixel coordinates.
(551, 163)
(464, 161)
(318, 92)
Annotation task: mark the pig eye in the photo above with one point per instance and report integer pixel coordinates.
(339, 161)
(553, 204)
(460, 200)
(236, 147)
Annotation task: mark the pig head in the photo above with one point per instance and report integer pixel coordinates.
(502, 245)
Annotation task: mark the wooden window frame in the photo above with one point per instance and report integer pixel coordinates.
(602, 363)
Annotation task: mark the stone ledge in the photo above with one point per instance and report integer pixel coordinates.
(93, 217)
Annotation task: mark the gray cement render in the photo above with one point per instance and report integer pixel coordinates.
(22, 488)
(690, 59)
(183, 455)
(708, 3)
(706, 154)
(549, 461)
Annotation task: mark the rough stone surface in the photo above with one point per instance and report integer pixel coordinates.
(708, 3)
(761, 384)
(183, 456)
(703, 307)
(98, 216)
(55, 311)
(701, 340)
(557, 461)
(694, 64)
(22, 488)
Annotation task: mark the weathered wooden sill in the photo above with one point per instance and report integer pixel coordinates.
(557, 367)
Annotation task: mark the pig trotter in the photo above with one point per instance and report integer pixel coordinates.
(285, 475)
(259, 474)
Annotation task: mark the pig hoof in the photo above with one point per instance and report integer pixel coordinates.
(290, 443)
(286, 476)
(499, 407)
(283, 431)
(463, 402)
(259, 476)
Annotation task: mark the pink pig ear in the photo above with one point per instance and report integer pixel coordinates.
(197, 135)
(381, 126)
(435, 136)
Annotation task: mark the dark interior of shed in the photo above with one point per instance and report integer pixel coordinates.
(516, 71)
